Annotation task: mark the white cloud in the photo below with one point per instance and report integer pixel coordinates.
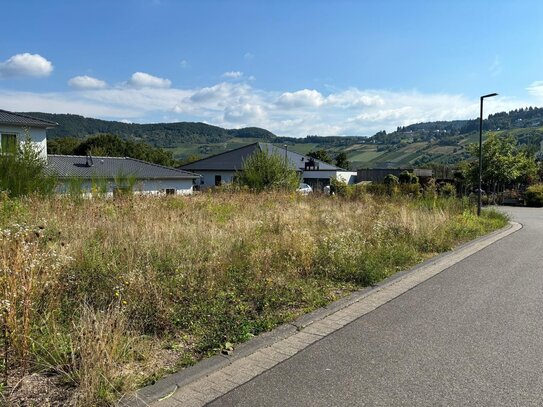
(57, 102)
(249, 56)
(353, 112)
(222, 94)
(301, 98)
(232, 74)
(86, 82)
(140, 80)
(245, 113)
(536, 88)
(184, 63)
(355, 98)
(25, 65)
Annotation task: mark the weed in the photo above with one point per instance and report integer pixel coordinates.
(95, 287)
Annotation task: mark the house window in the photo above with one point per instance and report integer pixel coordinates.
(8, 143)
(170, 191)
(218, 180)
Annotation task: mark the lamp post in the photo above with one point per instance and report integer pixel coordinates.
(481, 152)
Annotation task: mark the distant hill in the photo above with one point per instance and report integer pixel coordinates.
(164, 135)
(419, 144)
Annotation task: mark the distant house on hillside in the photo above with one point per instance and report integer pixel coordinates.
(88, 171)
(222, 168)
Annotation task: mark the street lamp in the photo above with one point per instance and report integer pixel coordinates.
(481, 152)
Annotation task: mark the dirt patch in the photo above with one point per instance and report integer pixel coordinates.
(38, 390)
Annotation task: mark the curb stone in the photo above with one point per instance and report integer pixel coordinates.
(213, 377)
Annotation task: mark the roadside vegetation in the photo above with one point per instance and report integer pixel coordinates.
(101, 296)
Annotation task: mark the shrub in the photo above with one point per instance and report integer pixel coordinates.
(23, 172)
(268, 171)
(339, 187)
(534, 195)
(412, 190)
(407, 177)
(447, 190)
(391, 179)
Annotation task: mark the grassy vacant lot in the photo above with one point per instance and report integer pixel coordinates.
(105, 295)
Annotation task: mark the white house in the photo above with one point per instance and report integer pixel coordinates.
(15, 127)
(222, 168)
(106, 173)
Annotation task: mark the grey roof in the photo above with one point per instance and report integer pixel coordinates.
(233, 160)
(68, 166)
(17, 119)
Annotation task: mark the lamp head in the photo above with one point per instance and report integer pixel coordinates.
(489, 95)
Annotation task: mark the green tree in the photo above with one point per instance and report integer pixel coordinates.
(62, 146)
(342, 162)
(24, 172)
(263, 171)
(504, 163)
(110, 145)
(321, 155)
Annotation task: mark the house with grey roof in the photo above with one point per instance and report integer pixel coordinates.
(222, 168)
(108, 174)
(15, 127)
(116, 173)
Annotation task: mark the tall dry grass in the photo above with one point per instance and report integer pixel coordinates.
(92, 286)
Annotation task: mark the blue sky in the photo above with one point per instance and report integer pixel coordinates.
(293, 67)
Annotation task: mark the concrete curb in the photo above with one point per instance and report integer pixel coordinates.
(215, 376)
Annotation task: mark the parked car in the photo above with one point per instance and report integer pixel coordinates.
(304, 189)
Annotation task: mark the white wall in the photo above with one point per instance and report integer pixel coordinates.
(208, 177)
(147, 187)
(37, 136)
(347, 176)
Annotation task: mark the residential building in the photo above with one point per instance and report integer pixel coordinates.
(106, 173)
(222, 168)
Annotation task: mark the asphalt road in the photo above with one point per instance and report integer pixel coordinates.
(472, 335)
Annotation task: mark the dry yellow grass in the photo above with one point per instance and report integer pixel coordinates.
(112, 281)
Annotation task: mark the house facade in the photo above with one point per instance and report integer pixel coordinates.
(222, 168)
(15, 128)
(107, 174)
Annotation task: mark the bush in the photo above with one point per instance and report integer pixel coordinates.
(265, 171)
(340, 187)
(391, 179)
(447, 190)
(534, 195)
(407, 177)
(23, 172)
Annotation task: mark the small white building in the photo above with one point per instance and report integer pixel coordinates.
(222, 168)
(104, 173)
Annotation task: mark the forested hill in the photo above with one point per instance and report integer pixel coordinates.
(164, 135)
(520, 118)
(420, 144)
